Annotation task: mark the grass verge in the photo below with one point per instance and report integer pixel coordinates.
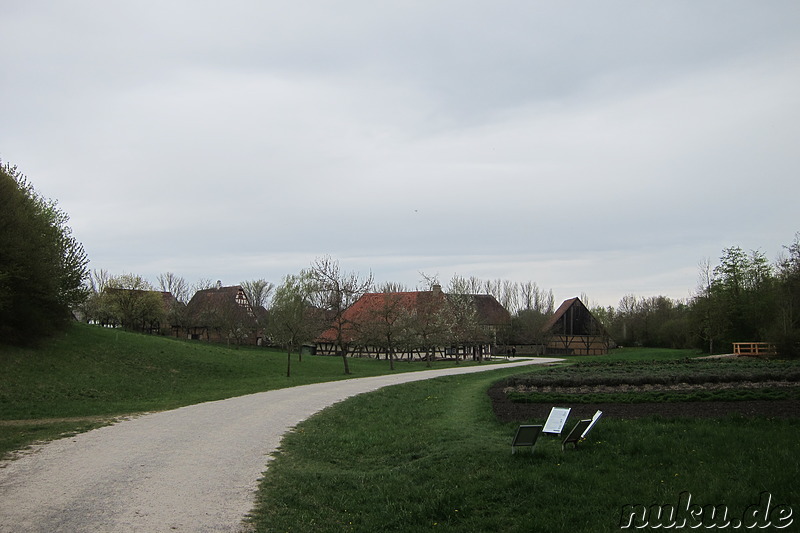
(430, 456)
(98, 373)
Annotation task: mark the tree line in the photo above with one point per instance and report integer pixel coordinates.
(306, 304)
(44, 277)
(743, 298)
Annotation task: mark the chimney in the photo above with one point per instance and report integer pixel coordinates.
(219, 284)
(436, 289)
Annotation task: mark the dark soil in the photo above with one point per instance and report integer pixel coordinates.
(507, 411)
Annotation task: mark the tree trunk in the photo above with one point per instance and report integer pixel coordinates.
(344, 360)
(289, 363)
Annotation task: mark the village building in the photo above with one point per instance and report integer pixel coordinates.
(574, 330)
(223, 314)
(418, 324)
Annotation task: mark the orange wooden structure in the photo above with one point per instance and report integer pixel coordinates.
(753, 348)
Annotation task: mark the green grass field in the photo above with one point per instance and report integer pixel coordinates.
(90, 374)
(430, 456)
(422, 456)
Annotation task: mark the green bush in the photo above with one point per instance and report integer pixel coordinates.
(42, 267)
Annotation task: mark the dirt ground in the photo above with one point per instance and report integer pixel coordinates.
(507, 411)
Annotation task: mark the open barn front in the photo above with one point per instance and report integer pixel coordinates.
(574, 330)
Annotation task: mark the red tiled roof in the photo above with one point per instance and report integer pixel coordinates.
(489, 310)
(369, 304)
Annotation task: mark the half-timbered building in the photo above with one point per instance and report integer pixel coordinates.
(417, 324)
(223, 314)
(574, 330)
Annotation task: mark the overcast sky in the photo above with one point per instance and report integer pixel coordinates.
(604, 148)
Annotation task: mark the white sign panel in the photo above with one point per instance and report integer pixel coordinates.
(595, 418)
(556, 420)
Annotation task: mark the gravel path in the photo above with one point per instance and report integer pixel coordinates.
(193, 469)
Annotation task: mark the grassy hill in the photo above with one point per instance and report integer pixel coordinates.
(90, 374)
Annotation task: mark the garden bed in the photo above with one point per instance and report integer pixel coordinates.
(687, 388)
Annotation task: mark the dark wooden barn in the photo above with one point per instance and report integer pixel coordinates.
(574, 330)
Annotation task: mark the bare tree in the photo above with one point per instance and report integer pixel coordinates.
(134, 303)
(99, 280)
(334, 291)
(430, 323)
(97, 306)
(258, 291)
(509, 295)
(201, 285)
(391, 286)
(464, 327)
(705, 305)
(174, 284)
(587, 301)
(528, 294)
(429, 280)
(384, 325)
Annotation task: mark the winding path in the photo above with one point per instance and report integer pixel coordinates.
(192, 469)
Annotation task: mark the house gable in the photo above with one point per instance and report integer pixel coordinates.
(221, 313)
(574, 330)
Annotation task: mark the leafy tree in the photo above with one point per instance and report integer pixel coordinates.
(258, 292)
(746, 298)
(656, 321)
(526, 327)
(96, 308)
(786, 330)
(293, 320)
(742, 291)
(42, 266)
(134, 303)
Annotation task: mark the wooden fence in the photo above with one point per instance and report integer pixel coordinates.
(753, 348)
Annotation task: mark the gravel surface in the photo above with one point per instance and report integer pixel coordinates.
(193, 469)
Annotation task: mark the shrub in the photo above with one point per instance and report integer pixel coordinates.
(42, 266)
